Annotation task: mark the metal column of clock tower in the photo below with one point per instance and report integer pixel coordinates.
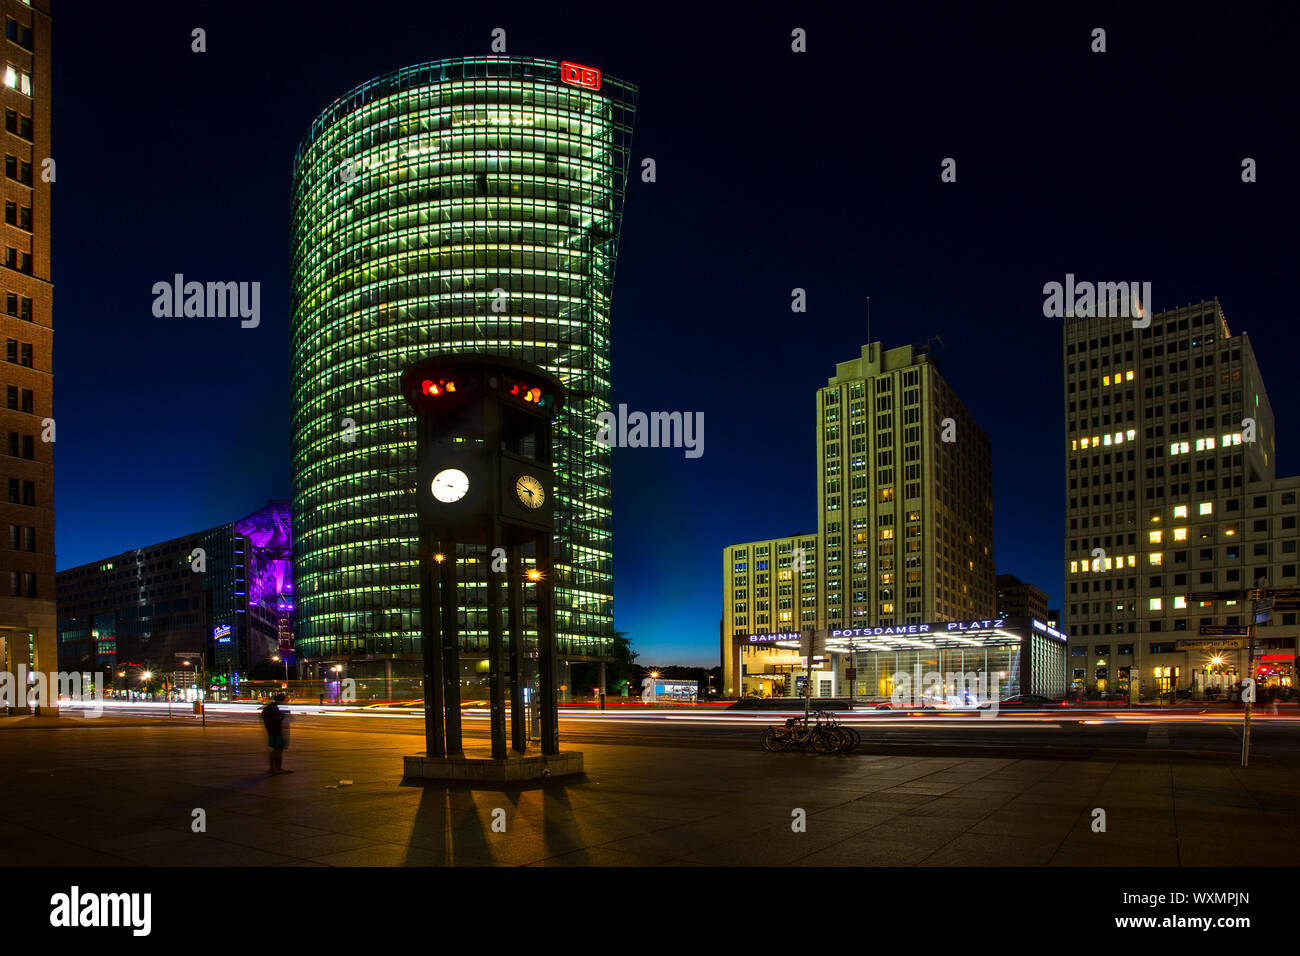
(485, 478)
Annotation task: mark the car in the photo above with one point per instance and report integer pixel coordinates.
(1026, 702)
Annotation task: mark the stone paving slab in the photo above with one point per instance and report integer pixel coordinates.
(125, 796)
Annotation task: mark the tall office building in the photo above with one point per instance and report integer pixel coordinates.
(1170, 488)
(769, 590)
(463, 205)
(27, 600)
(904, 495)
(1017, 598)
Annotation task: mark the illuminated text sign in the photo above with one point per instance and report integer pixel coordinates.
(585, 76)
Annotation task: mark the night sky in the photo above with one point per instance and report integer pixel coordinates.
(776, 170)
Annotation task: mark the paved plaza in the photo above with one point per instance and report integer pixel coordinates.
(119, 792)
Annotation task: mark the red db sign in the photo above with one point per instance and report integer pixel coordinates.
(579, 75)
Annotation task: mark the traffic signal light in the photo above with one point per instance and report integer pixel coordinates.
(430, 387)
(530, 394)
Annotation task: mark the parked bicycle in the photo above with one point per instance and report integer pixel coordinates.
(819, 732)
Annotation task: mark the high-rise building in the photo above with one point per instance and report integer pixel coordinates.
(464, 205)
(769, 591)
(904, 495)
(1017, 598)
(1170, 488)
(27, 590)
(226, 592)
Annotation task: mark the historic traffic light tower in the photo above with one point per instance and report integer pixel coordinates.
(484, 498)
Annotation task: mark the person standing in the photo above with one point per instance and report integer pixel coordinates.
(276, 721)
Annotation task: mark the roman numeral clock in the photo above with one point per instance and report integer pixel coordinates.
(485, 501)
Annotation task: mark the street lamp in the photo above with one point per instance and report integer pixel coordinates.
(337, 668)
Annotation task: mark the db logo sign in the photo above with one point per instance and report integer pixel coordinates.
(579, 75)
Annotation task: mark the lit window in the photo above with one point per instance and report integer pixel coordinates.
(1207, 507)
(1155, 557)
(1154, 604)
(1128, 376)
(1105, 380)
(11, 78)
(1074, 567)
(1180, 534)
(1180, 511)
(1180, 602)
(1157, 537)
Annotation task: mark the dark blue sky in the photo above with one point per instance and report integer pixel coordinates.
(775, 170)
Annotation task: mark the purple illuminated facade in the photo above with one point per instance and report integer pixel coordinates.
(270, 569)
(143, 607)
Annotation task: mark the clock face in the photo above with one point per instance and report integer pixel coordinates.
(529, 491)
(450, 485)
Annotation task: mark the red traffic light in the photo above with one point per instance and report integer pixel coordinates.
(430, 387)
(531, 394)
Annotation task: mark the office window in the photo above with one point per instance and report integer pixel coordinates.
(18, 124)
(18, 33)
(19, 80)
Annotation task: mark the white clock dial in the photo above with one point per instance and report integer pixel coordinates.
(450, 485)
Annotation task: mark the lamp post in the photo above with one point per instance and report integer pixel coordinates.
(338, 679)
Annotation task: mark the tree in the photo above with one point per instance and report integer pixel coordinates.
(618, 669)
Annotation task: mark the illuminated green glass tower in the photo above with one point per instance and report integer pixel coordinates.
(463, 205)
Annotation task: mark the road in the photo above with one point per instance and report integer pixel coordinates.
(1076, 733)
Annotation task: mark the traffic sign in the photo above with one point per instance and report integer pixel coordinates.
(1220, 643)
(1217, 596)
(1264, 610)
(850, 673)
(1220, 630)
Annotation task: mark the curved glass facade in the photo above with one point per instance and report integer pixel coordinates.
(462, 205)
